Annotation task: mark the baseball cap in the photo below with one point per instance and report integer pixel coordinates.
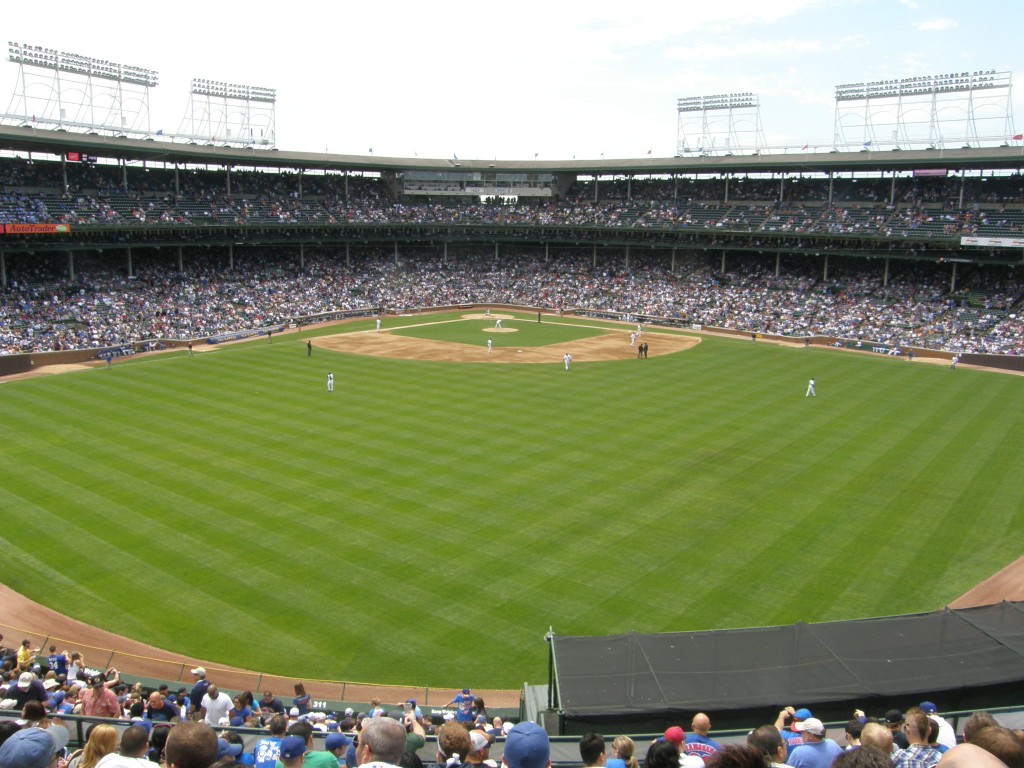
(465, 690)
(293, 712)
(25, 680)
(812, 725)
(675, 734)
(527, 746)
(96, 681)
(478, 741)
(292, 746)
(199, 671)
(349, 711)
(336, 741)
(226, 748)
(893, 716)
(33, 747)
(928, 708)
(802, 714)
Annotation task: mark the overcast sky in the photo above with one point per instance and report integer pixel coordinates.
(518, 79)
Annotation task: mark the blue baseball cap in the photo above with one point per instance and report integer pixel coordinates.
(33, 747)
(527, 746)
(292, 746)
(226, 748)
(336, 741)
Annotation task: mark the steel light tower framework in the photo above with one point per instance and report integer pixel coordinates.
(230, 114)
(69, 91)
(968, 109)
(721, 124)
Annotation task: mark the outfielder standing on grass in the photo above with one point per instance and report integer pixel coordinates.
(330, 382)
(567, 358)
(810, 389)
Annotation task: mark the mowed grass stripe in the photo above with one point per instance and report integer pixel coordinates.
(397, 502)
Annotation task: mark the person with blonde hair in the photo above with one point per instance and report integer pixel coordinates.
(102, 741)
(623, 748)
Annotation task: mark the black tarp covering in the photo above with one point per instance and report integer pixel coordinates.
(957, 658)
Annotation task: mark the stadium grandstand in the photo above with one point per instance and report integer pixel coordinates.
(120, 246)
(916, 248)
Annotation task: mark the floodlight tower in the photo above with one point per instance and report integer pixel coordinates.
(230, 114)
(78, 93)
(963, 108)
(724, 123)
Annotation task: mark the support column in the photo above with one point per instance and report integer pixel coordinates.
(595, 187)
(181, 267)
(593, 260)
(782, 188)
(825, 275)
(396, 253)
(177, 187)
(673, 260)
(300, 184)
(892, 190)
(547, 253)
(830, 180)
(124, 175)
(229, 180)
(348, 255)
(346, 185)
(963, 183)
(444, 253)
(885, 277)
(64, 173)
(3, 270)
(726, 195)
(952, 280)
(231, 257)
(495, 249)
(302, 256)
(778, 263)
(629, 187)
(675, 187)
(129, 253)
(71, 266)
(722, 271)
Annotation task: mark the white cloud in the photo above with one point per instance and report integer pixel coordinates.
(932, 25)
(911, 4)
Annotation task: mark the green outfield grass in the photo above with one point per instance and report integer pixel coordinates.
(428, 522)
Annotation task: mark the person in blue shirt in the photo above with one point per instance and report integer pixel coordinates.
(463, 703)
(697, 741)
(57, 662)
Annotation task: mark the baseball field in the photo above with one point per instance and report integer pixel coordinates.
(430, 519)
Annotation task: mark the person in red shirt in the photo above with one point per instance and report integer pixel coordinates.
(99, 701)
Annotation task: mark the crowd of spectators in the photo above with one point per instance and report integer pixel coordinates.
(202, 727)
(104, 306)
(45, 689)
(42, 311)
(84, 194)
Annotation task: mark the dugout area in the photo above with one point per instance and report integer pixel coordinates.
(960, 659)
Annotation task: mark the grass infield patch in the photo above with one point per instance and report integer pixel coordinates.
(513, 333)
